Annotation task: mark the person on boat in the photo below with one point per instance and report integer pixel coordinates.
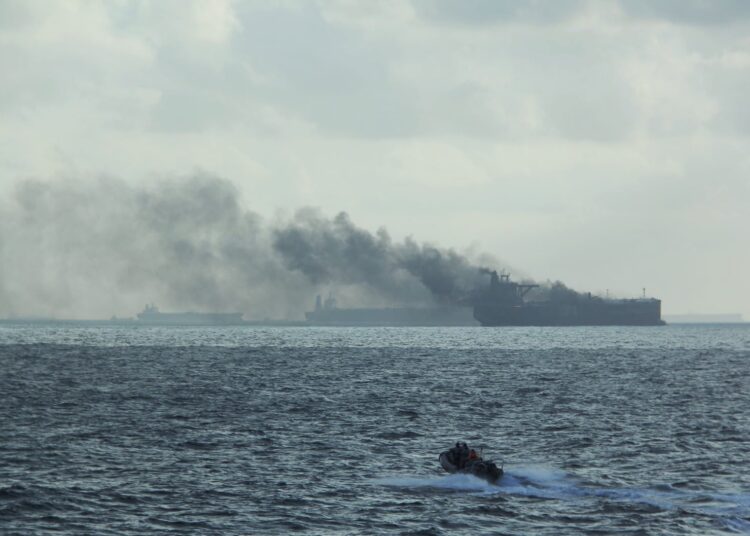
(460, 453)
(473, 456)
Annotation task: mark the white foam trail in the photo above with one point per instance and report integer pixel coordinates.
(538, 473)
(549, 483)
(449, 482)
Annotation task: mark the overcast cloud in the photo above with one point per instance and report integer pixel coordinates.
(605, 144)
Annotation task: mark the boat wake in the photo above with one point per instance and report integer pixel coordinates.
(731, 509)
(455, 482)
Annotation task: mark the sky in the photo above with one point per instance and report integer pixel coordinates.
(601, 143)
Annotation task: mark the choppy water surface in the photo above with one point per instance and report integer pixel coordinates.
(128, 430)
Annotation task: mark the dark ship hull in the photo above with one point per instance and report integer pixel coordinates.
(646, 312)
(503, 304)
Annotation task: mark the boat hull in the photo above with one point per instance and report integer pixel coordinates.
(484, 469)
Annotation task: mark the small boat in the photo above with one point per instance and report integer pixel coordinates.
(462, 459)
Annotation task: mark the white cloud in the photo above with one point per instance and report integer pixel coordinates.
(564, 140)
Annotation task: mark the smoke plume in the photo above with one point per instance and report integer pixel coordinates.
(336, 251)
(94, 248)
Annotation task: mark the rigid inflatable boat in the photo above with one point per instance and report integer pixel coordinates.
(462, 459)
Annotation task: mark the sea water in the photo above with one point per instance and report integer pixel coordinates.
(108, 429)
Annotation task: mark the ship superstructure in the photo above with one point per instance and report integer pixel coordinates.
(503, 303)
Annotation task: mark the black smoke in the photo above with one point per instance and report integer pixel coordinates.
(331, 251)
(555, 291)
(97, 247)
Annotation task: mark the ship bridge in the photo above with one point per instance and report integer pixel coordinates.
(503, 290)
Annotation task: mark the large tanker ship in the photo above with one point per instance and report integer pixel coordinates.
(503, 303)
(152, 315)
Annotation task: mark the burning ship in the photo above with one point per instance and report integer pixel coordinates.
(503, 303)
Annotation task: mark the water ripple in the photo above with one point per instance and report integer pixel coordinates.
(338, 433)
